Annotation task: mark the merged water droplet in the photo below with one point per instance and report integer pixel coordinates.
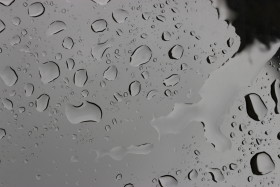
(141, 55)
(28, 89)
(262, 163)
(68, 43)
(167, 181)
(6, 2)
(80, 77)
(56, 27)
(110, 73)
(256, 108)
(36, 9)
(176, 52)
(120, 15)
(49, 71)
(134, 88)
(99, 25)
(172, 80)
(42, 102)
(2, 26)
(9, 76)
(86, 112)
(2, 133)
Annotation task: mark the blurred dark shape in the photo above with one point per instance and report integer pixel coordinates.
(256, 19)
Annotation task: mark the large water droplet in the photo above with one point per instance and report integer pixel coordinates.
(256, 108)
(36, 9)
(176, 52)
(49, 71)
(80, 77)
(99, 25)
(6, 2)
(86, 112)
(120, 15)
(2, 133)
(110, 73)
(68, 43)
(141, 55)
(2, 26)
(134, 88)
(262, 163)
(172, 80)
(275, 94)
(55, 27)
(9, 76)
(167, 181)
(42, 102)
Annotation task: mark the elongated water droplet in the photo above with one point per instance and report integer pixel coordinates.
(55, 27)
(2, 133)
(80, 77)
(275, 94)
(141, 55)
(70, 63)
(99, 25)
(86, 112)
(9, 76)
(110, 73)
(134, 88)
(36, 9)
(256, 108)
(172, 80)
(167, 181)
(49, 71)
(120, 15)
(262, 163)
(42, 102)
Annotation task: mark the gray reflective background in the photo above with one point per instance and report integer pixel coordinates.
(81, 81)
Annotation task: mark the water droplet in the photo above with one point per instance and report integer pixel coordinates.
(134, 88)
(176, 52)
(9, 76)
(166, 36)
(2, 26)
(262, 163)
(56, 27)
(80, 77)
(167, 181)
(6, 2)
(70, 63)
(98, 50)
(216, 174)
(146, 15)
(101, 2)
(99, 25)
(230, 42)
(110, 73)
(42, 102)
(68, 43)
(233, 166)
(152, 94)
(129, 185)
(212, 59)
(36, 9)
(49, 71)
(256, 108)
(8, 104)
(86, 112)
(141, 55)
(120, 15)
(172, 80)
(16, 21)
(275, 94)
(2, 133)
(28, 89)
(161, 18)
(192, 174)
(15, 40)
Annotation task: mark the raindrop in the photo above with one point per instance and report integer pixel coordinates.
(212, 59)
(70, 63)
(230, 42)
(146, 15)
(101, 2)
(152, 94)
(2, 133)
(28, 89)
(129, 185)
(8, 104)
(110, 73)
(232, 166)
(166, 36)
(134, 88)
(42, 102)
(172, 80)
(9, 76)
(120, 15)
(167, 181)
(68, 43)
(275, 94)
(256, 108)
(98, 50)
(262, 163)
(176, 52)
(216, 174)
(55, 27)
(86, 112)
(16, 21)
(161, 18)
(141, 55)
(49, 71)
(6, 2)
(99, 25)
(15, 40)
(192, 174)
(2, 26)
(36, 9)
(80, 77)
